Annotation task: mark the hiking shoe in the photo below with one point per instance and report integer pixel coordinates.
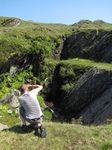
(24, 128)
(43, 131)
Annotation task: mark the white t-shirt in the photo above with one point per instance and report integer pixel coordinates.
(30, 104)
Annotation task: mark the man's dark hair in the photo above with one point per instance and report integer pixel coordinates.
(23, 88)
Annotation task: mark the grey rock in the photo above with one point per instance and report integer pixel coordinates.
(2, 126)
(91, 98)
(14, 101)
(10, 99)
(9, 111)
(15, 23)
(5, 99)
(16, 92)
(13, 69)
(100, 110)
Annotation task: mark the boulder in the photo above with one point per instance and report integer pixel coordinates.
(11, 99)
(13, 69)
(2, 126)
(90, 98)
(16, 92)
(9, 111)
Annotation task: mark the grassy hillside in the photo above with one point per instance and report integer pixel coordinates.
(27, 37)
(59, 137)
(18, 37)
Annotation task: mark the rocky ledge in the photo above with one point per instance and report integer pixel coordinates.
(90, 99)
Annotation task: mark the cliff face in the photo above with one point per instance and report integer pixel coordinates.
(92, 44)
(91, 97)
(64, 79)
(21, 63)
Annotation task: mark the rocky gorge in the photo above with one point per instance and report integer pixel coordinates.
(76, 91)
(91, 97)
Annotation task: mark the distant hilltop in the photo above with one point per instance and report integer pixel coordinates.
(80, 23)
(96, 23)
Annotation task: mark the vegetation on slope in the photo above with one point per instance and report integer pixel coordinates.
(27, 37)
(18, 37)
(68, 72)
(86, 63)
(59, 137)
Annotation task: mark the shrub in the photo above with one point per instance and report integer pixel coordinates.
(41, 101)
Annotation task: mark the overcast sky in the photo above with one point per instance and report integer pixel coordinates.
(57, 11)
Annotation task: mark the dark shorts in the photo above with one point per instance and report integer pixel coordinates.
(32, 121)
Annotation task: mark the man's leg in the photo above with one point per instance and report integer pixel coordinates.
(22, 116)
(41, 127)
(43, 131)
(23, 120)
(37, 125)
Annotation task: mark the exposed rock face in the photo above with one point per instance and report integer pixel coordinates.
(13, 69)
(63, 81)
(16, 62)
(11, 22)
(91, 97)
(100, 110)
(11, 99)
(21, 62)
(94, 44)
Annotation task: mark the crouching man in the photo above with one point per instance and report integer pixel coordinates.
(30, 110)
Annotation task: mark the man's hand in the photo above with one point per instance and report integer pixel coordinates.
(39, 87)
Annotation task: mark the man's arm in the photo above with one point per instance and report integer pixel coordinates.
(38, 87)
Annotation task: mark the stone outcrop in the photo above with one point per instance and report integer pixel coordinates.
(100, 110)
(91, 44)
(2, 126)
(91, 98)
(15, 63)
(11, 99)
(11, 22)
(63, 81)
(21, 62)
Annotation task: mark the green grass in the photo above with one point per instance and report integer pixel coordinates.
(21, 39)
(59, 137)
(86, 64)
(50, 61)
